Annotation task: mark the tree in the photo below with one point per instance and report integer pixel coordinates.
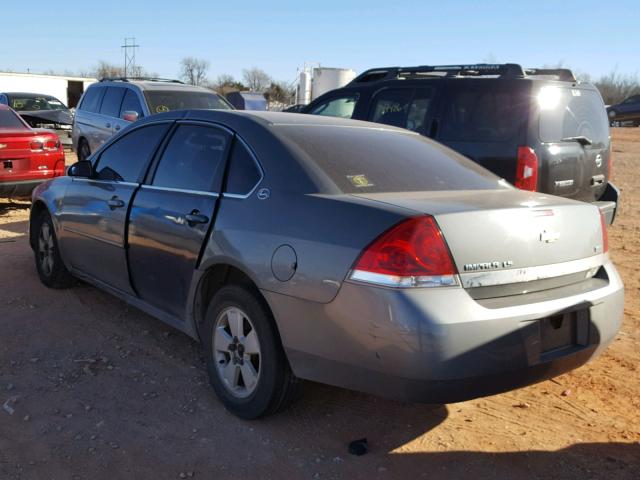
(614, 87)
(194, 70)
(225, 83)
(110, 70)
(280, 92)
(256, 79)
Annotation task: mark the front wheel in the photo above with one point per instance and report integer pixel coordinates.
(245, 360)
(49, 264)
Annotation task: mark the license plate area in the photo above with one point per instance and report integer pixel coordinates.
(566, 330)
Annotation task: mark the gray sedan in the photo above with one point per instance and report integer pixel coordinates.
(344, 252)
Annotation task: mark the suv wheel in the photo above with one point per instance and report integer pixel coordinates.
(83, 150)
(246, 363)
(51, 269)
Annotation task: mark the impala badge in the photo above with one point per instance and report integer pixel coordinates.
(549, 237)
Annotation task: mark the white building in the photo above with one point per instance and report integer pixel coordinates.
(66, 89)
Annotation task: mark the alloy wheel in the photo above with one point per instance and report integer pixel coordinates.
(46, 249)
(236, 349)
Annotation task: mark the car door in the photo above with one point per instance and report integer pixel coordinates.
(87, 119)
(94, 212)
(630, 108)
(129, 109)
(173, 212)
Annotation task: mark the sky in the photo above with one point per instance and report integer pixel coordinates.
(593, 37)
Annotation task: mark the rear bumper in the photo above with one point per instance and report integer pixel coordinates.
(21, 188)
(608, 203)
(438, 345)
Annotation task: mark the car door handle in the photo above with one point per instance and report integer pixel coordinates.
(115, 202)
(108, 125)
(195, 217)
(117, 127)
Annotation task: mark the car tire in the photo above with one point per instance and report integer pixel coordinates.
(51, 269)
(83, 150)
(246, 363)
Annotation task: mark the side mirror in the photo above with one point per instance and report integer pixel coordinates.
(130, 116)
(82, 169)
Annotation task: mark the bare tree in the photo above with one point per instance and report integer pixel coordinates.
(225, 84)
(614, 87)
(280, 92)
(256, 79)
(194, 70)
(110, 70)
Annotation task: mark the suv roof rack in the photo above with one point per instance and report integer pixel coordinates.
(505, 70)
(148, 79)
(562, 74)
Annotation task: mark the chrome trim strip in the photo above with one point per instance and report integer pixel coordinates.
(529, 274)
(404, 282)
(180, 190)
(110, 182)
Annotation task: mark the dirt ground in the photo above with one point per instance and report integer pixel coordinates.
(92, 388)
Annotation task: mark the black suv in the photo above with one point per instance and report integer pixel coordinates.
(540, 129)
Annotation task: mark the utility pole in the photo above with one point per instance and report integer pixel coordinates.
(129, 55)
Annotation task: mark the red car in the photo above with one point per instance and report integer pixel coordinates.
(28, 156)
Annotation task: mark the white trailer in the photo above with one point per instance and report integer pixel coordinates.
(66, 89)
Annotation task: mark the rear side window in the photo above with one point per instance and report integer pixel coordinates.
(165, 101)
(403, 107)
(366, 160)
(244, 173)
(484, 115)
(130, 103)
(193, 159)
(8, 119)
(337, 107)
(572, 112)
(91, 99)
(125, 160)
(112, 101)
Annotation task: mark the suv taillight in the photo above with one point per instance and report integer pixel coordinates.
(413, 253)
(527, 169)
(605, 235)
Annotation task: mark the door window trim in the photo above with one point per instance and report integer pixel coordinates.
(255, 160)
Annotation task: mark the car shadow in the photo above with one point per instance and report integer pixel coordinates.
(13, 229)
(8, 205)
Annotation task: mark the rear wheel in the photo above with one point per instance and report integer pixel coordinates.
(246, 363)
(83, 150)
(51, 269)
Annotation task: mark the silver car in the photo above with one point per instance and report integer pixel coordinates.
(112, 104)
(344, 252)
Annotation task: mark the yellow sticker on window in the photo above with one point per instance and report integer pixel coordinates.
(360, 181)
(162, 108)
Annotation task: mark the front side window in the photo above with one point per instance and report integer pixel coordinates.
(244, 172)
(193, 159)
(130, 103)
(112, 101)
(125, 160)
(342, 107)
(403, 107)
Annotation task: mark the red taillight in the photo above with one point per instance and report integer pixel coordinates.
(605, 235)
(51, 144)
(410, 254)
(527, 169)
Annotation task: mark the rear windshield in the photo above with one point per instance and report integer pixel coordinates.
(166, 101)
(28, 103)
(479, 113)
(572, 112)
(367, 160)
(8, 119)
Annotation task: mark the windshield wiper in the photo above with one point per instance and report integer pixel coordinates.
(581, 139)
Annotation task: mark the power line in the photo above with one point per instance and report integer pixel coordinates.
(129, 55)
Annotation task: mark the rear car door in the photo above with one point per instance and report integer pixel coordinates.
(409, 108)
(174, 212)
(570, 168)
(486, 121)
(94, 212)
(108, 116)
(87, 120)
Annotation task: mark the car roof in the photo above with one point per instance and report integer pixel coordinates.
(153, 85)
(29, 94)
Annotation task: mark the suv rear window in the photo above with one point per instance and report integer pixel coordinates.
(403, 107)
(164, 101)
(484, 114)
(367, 160)
(572, 112)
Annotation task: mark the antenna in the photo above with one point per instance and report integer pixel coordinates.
(130, 55)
